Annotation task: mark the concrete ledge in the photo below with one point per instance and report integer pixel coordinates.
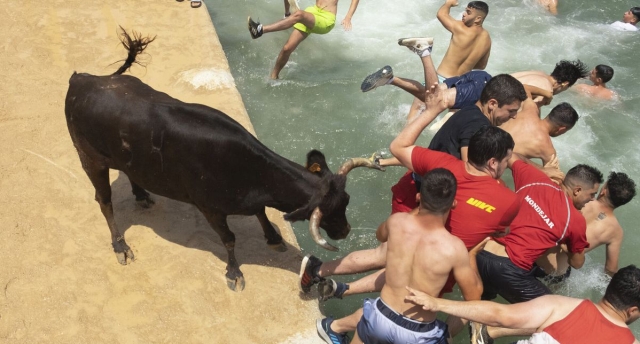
(59, 279)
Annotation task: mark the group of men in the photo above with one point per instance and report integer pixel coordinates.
(453, 208)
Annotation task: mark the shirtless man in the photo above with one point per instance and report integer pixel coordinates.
(414, 242)
(533, 135)
(602, 226)
(554, 318)
(563, 76)
(319, 19)
(599, 77)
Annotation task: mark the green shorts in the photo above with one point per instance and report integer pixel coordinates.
(325, 21)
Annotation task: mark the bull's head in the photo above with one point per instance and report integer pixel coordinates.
(327, 208)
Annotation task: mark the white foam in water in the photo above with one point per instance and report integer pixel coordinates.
(207, 78)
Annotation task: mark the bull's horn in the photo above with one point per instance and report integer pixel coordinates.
(314, 229)
(372, 162)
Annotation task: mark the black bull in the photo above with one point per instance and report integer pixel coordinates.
(195, 154)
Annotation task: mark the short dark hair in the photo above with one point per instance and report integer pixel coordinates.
(570, 71)
(480, 6)
(489, 142)
(563, 115)
(621, 189)
(636, 12)
(583, 174)
(438, 190)
(623, 292)
(604, 72)
(504, 88)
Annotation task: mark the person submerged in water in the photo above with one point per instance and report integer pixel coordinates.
(599, 77)
(629, 20)
(319, 19)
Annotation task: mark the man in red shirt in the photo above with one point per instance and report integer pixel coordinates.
(557, 319)
(549, 216)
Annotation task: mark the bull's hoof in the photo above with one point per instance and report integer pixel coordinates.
(281, 247)
(145, 203)
(122, 256)
(236, 284)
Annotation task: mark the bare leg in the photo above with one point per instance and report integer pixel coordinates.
(498, 332)
(348, 323)
(303, 17)
(355, 262)
(430, 74)
(368, 284)
(295, 39)
(409, 85)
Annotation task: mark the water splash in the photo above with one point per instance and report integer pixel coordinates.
(207, 78)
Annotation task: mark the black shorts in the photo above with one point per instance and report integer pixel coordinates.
(501, 277)
(550, 279)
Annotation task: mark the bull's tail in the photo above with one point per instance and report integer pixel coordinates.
(135, 45)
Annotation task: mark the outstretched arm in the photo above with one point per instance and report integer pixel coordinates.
(467, 276)
(445, 18)
(346, 22)
(402, 146)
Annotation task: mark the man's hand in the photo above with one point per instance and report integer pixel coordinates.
(434, 99)
(476, 249)
(452, 3)
(346, 23)
(427, 302)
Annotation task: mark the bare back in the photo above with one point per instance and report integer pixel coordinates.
(328, 5)
(529, 134)
(469, 49)
(597, 92)
(420, 254)
(535, 78)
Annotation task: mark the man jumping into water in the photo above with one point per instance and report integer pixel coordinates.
(319, 19)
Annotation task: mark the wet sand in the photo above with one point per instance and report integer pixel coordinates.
(60, 281)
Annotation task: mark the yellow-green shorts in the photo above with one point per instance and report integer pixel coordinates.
(325, 21)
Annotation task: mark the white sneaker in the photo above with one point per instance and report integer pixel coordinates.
(294, 6)
(419, 45)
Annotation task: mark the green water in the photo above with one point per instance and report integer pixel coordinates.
(318, 104)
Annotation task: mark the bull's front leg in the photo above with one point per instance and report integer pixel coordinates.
(235, 278)
(143, 199)
(274, 240)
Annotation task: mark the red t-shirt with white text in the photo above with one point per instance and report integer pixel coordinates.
(547, 218)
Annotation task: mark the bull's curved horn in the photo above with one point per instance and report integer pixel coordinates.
(314, 229)
(372, 162)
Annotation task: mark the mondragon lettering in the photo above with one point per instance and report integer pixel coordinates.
(540, 212)
(481, 205)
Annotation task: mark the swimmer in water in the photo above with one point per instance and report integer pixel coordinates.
(550, 5)
(629, 20)
(599, 77)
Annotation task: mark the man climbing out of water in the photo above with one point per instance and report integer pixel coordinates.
(599, 77)
(319, 19)
(603, 227)
(629, 20)
(414, 241)
(555, 319)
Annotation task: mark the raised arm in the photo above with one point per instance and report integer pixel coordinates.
(445, 18)
(346, 22)
(402, 146)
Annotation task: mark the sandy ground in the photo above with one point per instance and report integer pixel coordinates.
(59, 278)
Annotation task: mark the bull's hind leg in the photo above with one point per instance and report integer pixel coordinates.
(99, 176)
(274, 240)
(143, 198)
(235, 278)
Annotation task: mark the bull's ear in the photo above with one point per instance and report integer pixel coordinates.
(299, 214)
(316, 163)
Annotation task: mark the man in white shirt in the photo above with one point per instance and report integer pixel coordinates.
(629, 20)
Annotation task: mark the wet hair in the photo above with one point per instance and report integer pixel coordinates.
(505, 89)
(636, 13)
(563, 115)
(604, 72)
(438, 190)
(621, 189)
(480, 6)
(489, 142)
(570, 71)
(584, 175)
(623, 292)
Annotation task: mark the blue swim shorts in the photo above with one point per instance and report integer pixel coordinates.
(468, 86)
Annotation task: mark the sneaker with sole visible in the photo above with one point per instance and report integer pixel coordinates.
(330, 288)
(479, 334)
(309, 272)
(327, 334)
(419, 45)
(381, 77)
(255, 28)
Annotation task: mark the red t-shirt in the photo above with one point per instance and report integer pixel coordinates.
(547, 218)
(484, 204)
(586, 325)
